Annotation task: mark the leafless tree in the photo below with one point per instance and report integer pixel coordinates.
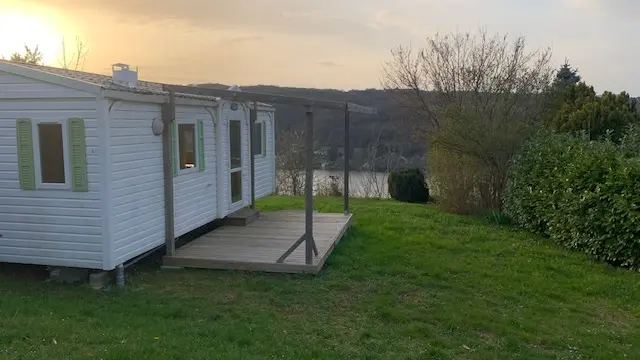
(472, 95)
(378, 160)
(74, 60)
(290, 163)
(290, 169)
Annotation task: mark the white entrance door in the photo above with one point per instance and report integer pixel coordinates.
(235, 164)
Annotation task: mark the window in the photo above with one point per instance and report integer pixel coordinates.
(235, 161)
(187, 146)
(52, 154)
(236, 186)
(259, 139)
(52, 162)
(235, 144)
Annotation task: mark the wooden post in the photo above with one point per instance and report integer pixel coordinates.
(346, 159)
(168, 117)
(253, 116)
(308, 188)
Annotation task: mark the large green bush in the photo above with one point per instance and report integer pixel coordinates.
(408, 185)
(583, 194)
(582, 110)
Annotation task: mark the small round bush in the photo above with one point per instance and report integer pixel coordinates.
(408, 185)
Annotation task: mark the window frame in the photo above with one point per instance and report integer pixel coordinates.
(196, 155)
(263, 140)
(35, 133)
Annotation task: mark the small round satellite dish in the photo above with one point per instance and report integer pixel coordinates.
(234, 106)
(157, 126)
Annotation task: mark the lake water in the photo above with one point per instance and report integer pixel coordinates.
(361, 184)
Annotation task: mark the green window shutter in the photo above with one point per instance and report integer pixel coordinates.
(78, 155)
(26, 169)
(174, 149)
(201, 157)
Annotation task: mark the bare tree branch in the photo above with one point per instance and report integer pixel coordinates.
(76, 59)
(290, 163)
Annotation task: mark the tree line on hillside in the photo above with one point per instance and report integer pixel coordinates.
(372, 137)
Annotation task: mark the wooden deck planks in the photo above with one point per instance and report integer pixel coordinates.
(257, 246)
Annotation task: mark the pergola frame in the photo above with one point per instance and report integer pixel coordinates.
(253, 98)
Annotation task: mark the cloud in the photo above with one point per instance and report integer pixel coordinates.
(579, 4)
(293, 41)
(386, 16)
(609, 7)
(241, 39)
(313, 13)
(329, 64)
(300, 17)
(388, 19)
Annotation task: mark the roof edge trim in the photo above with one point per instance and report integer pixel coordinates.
(17, 69)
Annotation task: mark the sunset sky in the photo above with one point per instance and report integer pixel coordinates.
(316, 43)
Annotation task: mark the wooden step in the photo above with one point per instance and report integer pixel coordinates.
(242, 217)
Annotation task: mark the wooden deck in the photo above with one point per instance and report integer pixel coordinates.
(258, 245)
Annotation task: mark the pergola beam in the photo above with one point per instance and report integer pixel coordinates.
(245, 96)
(360, 109)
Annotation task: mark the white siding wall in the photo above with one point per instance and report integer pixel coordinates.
(137, 180)
(266, 165)
(137, 192)
(48, 227)
(195, 192)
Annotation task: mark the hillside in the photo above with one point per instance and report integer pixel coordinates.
(389, 125)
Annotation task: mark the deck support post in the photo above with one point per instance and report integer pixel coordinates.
(253, 116)
(347, 152)
(308, 187)
(168, 117)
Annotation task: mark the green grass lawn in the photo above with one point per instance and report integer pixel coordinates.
(407, 282)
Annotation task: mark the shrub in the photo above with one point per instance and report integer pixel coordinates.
(583, 194)
(583, 110)
(329, 186)
(408, 185)
(454, 178)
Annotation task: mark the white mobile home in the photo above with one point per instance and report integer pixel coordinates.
(82, 170)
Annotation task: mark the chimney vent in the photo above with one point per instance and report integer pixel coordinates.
(123, 76)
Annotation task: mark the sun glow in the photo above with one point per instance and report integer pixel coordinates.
(18, 28)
